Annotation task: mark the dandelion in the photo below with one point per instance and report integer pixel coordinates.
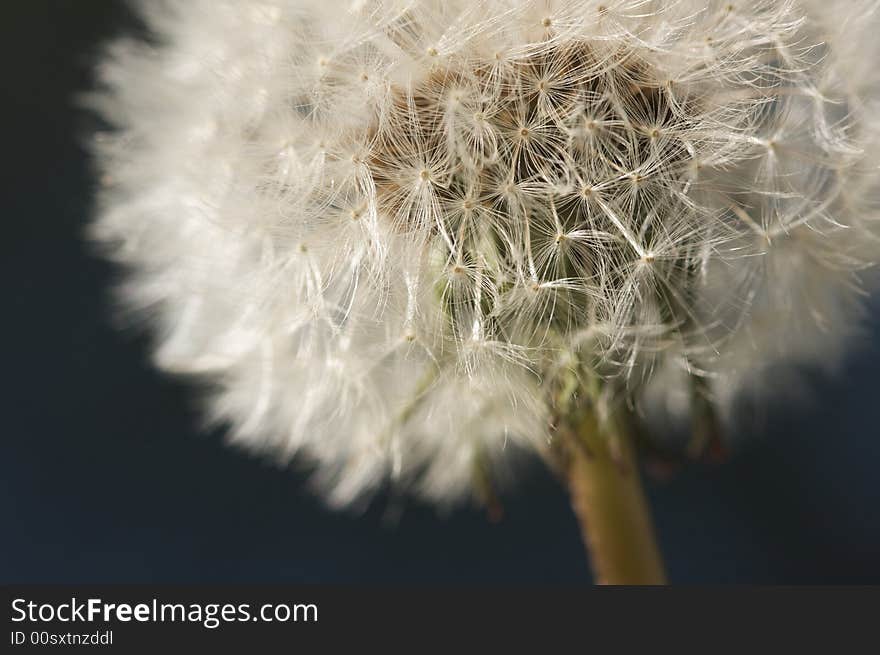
(409, 241)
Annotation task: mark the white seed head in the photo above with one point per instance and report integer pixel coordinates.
(387, 231)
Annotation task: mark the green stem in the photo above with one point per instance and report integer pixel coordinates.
(600, 469)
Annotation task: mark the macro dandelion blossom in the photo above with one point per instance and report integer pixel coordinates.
(410, 241)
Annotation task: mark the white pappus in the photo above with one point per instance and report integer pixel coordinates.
(384, 230)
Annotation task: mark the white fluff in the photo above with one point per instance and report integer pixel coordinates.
(385, 230)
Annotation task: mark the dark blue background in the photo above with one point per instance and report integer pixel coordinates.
(104, 476)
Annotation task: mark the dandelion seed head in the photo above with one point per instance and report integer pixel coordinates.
(385, 230)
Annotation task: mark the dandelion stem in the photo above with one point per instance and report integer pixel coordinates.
(600, 469)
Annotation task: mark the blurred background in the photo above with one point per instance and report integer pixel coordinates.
(105, 476)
